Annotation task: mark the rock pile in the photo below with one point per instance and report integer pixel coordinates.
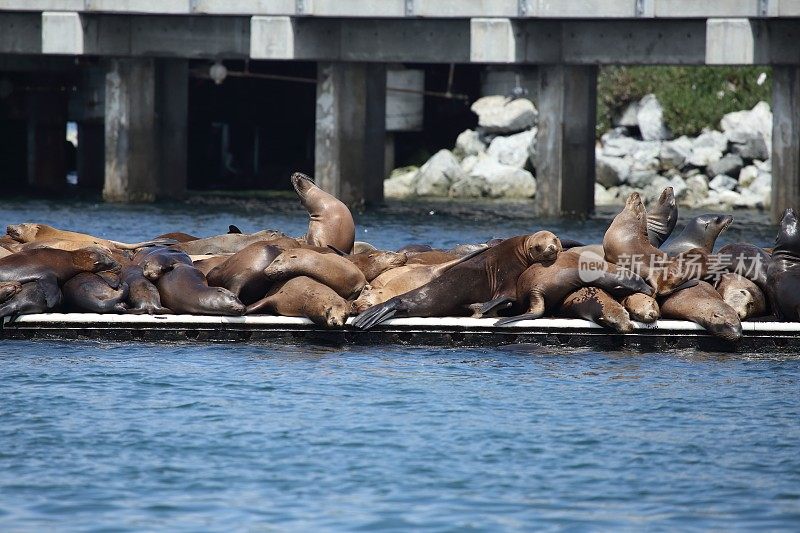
(726, 168)
(493, 161)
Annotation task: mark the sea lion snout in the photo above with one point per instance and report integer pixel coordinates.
(302, 183)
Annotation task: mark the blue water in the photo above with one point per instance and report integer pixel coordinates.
(220, 437)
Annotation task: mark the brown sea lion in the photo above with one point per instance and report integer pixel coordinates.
(37, 296)
(361, 247)
(743, 295)
(4, 252)
(9, 244)
(155, 262)
(489, 275)
(746, 260)
(330, 221)
(8, 289)
(641, 307)
(229, 243)
(177, 236)
(700, 232)
(29, 232)
(662, 217)
(143, 296)
(625, 243)
(31, 265)
(374, 263)
(329, 269)
(703, 305)
(432, 257)
(304, 297)
(184, 289)
(243, 272)
(413, 249)
(596, 305)
(209, 263)
(783, 273)
(464, 249)
(543, 286)
(91, 293)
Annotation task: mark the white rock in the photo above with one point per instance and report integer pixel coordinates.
(468, 143)
(711, 139)
(679, 187)
(650, 117)
(400, 185)
(721, 182)
(468, 163)
(750, 200)
(498, 114)
(696, 191)
(629, 116)
(504, 181)
(603, 196)
(620, 146)
(641, 178)
(729, 198)
(730, 164)
(653, 189)
(611, 171)
(741, 124)
(615, 133)
(468, 187)
(754, 146)
(747, 175)
(512, 150)
(645, 155)
(765, 166)
(673, 154)
(704, 156)
(762, 184)
(436, 176)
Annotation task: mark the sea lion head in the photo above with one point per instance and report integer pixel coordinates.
(542, 246)
(724, 322)
(302, 185)
(635, 206)
(708, 227)
(369, 297)
(224, 302)
(336, 314)
(664, 213)
(284, 262)
(741, 300)
(788, 239)
(381, 261)
(642, 307)
(616, 318)
(94, 259)
(25, 232)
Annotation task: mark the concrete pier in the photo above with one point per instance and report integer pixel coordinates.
(785, 139)
(47, 126)
(351, 130)
(565, 139)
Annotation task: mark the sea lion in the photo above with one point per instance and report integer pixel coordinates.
(412, 249)
(7, 243)
(746, 260)
(36, 296)
(229, 243)
(243, 272)
(374, 263)
(743, 295)
(4, 252)
(543, 286)
(329, 269)
(596, 305)
(31, 265)
(662, 217)
(361, 247)
(625, 243)
(464, 249)
(29, 232)
(304, 297)
(177, 236)
(489, 275)
(209, 263)
(184, 289)
(155, 262)
(91, 293)
(700, 232)
(432, 257)
(641, 307)
(143, 296)
(783, 273)
(703, 305)
(330, 221)
(8, 289)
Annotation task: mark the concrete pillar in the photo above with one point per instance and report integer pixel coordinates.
(565, 141)
(130, 128)
(351, 131)
(172, 113)
(785, 139)
(47, 135)
(91, 155)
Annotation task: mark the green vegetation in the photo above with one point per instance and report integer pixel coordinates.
(693, 97)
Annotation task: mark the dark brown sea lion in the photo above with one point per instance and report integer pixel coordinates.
(464, 249)
(184, 289)
(432, 257)
(488, 276)
(304, 297)
(37, 296)
(31, 265)
(178, 236)
(543, 286)
(143, 296)
(332, 270)
(29, 232)
(661, 217)
(91, 293)
(746, 260)
(157, 261)
(209, 263)
(625, 243)
(229, 243)
(8, 289)
(330, 221)
(783, 273)
(700, 232)
(641, 307)
(703, 305)
(243, 272)
(596, 305)
(412, 249)
(743, 295)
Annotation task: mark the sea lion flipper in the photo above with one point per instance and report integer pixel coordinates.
(376, 314)
(338, 251)
(517, 318)
(234, 229)
(685, 285)
(492, 307)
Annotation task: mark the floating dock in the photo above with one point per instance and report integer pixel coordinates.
(763, 337)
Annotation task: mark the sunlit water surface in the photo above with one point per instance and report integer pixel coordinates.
(99, 436)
